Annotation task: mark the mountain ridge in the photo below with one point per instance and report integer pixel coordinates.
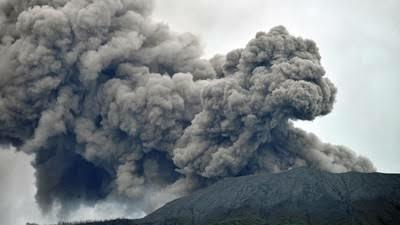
(298, 196)
(301, 191)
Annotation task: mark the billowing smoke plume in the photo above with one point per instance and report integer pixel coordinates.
(113, 104)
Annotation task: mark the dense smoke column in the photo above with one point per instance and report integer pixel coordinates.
(114, 105)
(244, 125)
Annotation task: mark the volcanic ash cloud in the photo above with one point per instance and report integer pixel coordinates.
(114, 105)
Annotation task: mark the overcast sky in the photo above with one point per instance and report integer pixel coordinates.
(358, 41)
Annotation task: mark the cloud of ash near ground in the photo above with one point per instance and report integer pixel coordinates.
(113, 105)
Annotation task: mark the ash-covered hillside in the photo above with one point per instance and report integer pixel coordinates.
(299, 196)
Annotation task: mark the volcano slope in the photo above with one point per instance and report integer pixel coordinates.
(299, 196)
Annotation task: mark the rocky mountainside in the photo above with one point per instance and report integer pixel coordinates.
(299, 196)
